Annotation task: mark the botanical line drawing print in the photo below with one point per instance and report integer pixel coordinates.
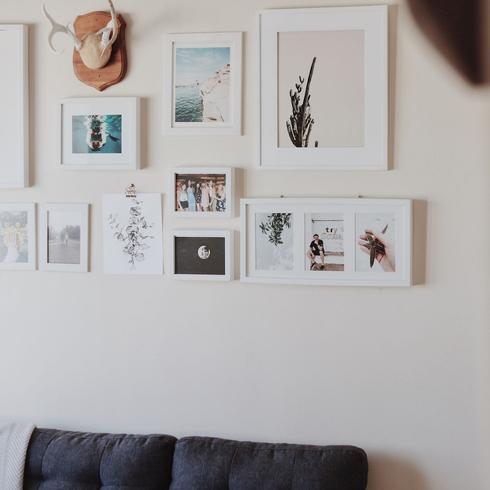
(135, 234)
(274, 226)
(300, 122)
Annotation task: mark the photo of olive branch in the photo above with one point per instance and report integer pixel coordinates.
(274, 226)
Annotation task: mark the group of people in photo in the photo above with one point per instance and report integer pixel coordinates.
(201, 194)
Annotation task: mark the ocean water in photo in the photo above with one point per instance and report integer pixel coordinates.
(188, 104)
(97, 134)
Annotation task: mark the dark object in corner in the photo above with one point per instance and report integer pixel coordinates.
(458, 29)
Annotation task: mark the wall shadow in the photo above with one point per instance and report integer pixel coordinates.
(419, 242)
(390, 473)
(32, 67)
(144, 143)
(392, 54)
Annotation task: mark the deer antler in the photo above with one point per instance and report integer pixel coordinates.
(58, 28)
(111, 28)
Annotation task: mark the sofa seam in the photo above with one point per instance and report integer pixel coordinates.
(231, 465)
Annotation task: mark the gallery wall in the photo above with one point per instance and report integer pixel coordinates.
(403, 373)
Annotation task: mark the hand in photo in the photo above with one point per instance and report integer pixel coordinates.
(379, 248)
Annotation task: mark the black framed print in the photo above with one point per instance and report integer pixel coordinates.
(202, 255)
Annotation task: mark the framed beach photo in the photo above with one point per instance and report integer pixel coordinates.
(133, 233)
(203, 192)
(327, 241)
(324, 88)
(64, 237)
(17, 236)
(100, 133)
(204, 255)
(14, 101)
(203, 83)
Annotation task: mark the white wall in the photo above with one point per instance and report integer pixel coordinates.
(403, 373)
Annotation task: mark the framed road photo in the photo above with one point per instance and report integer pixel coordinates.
(100, 133)
(324, 88)
(206, 192)
(14, 101)
(356, 242)
(203, 83)
(17, 236)
(64, 237)
(202, 255)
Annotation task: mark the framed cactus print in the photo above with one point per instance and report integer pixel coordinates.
(324, 88)
(326, 241)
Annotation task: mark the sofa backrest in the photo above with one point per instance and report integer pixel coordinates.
(202, 463)
(58, 460)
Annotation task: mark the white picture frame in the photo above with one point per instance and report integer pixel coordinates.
(118, 121)
(200, 175)
(73, 214)
(14, 101)
(362, 144)
(225, 262)
(228, 107)
(278, 235)
(17, 240)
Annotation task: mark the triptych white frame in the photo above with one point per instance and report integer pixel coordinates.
(349, 208)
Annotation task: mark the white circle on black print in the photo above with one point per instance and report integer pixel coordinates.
(204, 252)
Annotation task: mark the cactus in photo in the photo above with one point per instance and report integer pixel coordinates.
(300, 122)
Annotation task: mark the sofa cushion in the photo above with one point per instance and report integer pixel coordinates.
(202, 463)
(59, 460)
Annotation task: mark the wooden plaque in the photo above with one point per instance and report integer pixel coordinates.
(115, 70)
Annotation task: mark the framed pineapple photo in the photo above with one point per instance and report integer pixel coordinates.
(324, 88)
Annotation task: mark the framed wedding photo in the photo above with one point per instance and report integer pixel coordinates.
(327, 241)
(324, 88)
(203, 84)
(17, 236)
(100, 133)
(204, 255)
(206, 192)
(64, 237)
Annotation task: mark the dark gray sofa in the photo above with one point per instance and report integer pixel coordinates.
(59, 460)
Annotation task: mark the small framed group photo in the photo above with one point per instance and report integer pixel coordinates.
(203, 83)
(203, 192)
(64, 237)
(100, 133)
(17, 236)
(324, 88)
(204, 255)
(358, 242)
